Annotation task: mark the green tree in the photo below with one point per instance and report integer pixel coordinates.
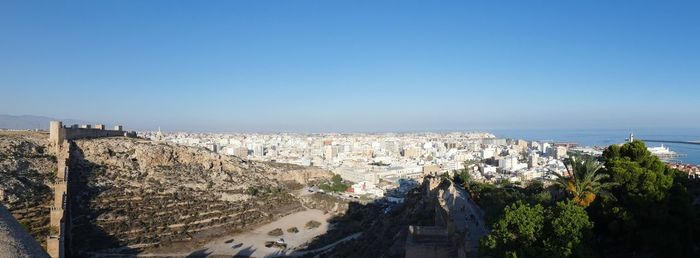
(638, 172)
(652, 210)
(570, 229)
(336, 179)
(583, 181)
(336, 185)
(516, 233)
(463, 178)
(527, 230)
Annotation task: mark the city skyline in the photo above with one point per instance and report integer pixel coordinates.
(317, 67)
(356, 128)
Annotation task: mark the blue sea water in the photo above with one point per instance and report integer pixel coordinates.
(691, 153)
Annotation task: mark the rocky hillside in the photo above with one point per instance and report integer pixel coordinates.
(295, 175)
(27, 168)
(128, 194)
(142, 194)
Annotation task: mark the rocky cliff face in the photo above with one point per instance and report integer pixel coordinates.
(27, 168)
(299, 175)
(143, 194)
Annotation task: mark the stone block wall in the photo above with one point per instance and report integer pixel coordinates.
(80, 133)
(57, 223)
(58, 133)
(60, 137)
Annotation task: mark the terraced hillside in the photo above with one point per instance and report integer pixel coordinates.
(27, 168)
(141, 194)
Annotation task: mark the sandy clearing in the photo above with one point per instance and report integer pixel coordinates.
(252, 243)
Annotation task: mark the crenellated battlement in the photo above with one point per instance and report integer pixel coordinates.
(59, 216)
(60, 136)
(58, 132)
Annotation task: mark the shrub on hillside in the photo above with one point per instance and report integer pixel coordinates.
(312, 224)
(275, 232)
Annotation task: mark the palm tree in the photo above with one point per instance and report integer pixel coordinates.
(583, 181)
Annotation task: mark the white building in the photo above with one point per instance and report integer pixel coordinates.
(365, 187)
(488, 153)
(507, 163)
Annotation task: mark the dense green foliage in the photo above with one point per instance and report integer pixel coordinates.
(494, 198)
(652, 212)
(336, 185)
(265, 191)
(648, 211)
(570, 230)
(516, 233)
(527, 230)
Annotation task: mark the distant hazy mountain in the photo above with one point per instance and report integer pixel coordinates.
(32, 122)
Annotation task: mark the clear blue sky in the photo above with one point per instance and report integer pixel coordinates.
(322, 66)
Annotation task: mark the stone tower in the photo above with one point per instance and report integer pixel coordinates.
(56, 132)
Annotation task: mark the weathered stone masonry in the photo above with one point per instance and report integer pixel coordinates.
(60, 138)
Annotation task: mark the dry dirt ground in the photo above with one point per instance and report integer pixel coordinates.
(252, 243)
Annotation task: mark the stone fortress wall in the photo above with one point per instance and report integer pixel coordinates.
(60, 137)
(446, 237)
(435, 240)
(55, 242)
(58, 132)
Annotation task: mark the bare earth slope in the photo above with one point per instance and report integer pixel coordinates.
(148, 195)
(27, 168)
